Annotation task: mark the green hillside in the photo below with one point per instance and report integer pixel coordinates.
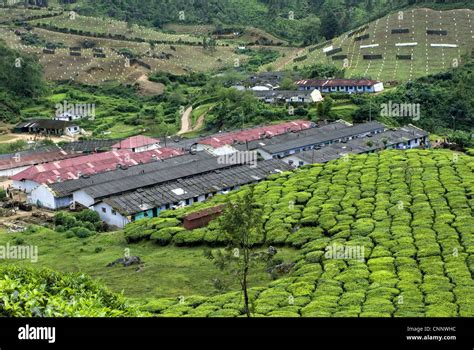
(408, 215)
(425, 59)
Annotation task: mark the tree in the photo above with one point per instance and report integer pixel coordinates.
(241, 222)
(287, 84)
(329, 24)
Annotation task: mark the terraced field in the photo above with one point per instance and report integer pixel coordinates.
(111, 27)
(378, 39)
(89, 69)
(401, 223)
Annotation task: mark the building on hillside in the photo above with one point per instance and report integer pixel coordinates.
(68, 117)
(267, 80)
(403, 138)
(286, 145)
(248, 135)
(89, 146)
(202, 217)
(14, 163)
(138, 143)
(48, 127)
(289, 96)
(57, 195)
(120, 209)
(350, 86)
(84, 165)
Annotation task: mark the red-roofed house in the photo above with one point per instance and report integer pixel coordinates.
(137, 143)
(350, 86)
(229, 138)
(69, 169)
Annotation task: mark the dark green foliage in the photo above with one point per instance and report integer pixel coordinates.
(28, 292)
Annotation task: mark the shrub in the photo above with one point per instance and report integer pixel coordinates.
(161, 238)
(28, 292)
(189, 238)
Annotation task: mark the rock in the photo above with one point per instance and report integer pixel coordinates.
(126, 261)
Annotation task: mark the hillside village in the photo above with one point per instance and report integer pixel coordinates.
(140, 177)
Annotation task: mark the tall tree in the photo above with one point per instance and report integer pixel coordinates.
(241, 222)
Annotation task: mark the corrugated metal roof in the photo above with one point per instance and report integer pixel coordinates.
(229, 138)
(130, 183)
(319, 135)
(89, 164)
(33, 157)
(135, 142)
(336, 82)
(357, 146)
(68, 187)
(156, 196)
(89, 145)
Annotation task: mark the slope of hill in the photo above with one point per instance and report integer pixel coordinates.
(404, 56)
(384, 234)
(407, 214)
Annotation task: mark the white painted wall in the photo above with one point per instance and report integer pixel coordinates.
(116, 219)
(83, 198)
(316, 95)
(44, 195)
(378, 87)
(26, 185)
(147, 148)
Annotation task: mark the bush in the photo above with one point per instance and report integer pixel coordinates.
(161, 238)
(189, 238)
(82, 232)
(28, 292)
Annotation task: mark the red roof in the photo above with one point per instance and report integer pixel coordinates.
(16, 161)
(229, 138)
(69, 169)
(336, 82)
(135, 141)
(205, 212)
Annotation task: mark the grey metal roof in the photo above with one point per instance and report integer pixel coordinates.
(290, 136)
(359, 145)
(319, 136)
(89, 145)
(135, 175)
(282, 94)
(156, 196)
(45, 124)
(30, 152)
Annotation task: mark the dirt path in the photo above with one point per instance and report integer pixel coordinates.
(199, 122)
(149, 88)
(186, 121)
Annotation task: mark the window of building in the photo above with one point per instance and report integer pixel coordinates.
(114, 212)
(104, 210)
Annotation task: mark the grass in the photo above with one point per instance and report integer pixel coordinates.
(344, 111)
(197, 112)
(168, 271)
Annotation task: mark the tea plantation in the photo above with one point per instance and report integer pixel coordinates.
(25, 292)
(410, 213)
(388, 234)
